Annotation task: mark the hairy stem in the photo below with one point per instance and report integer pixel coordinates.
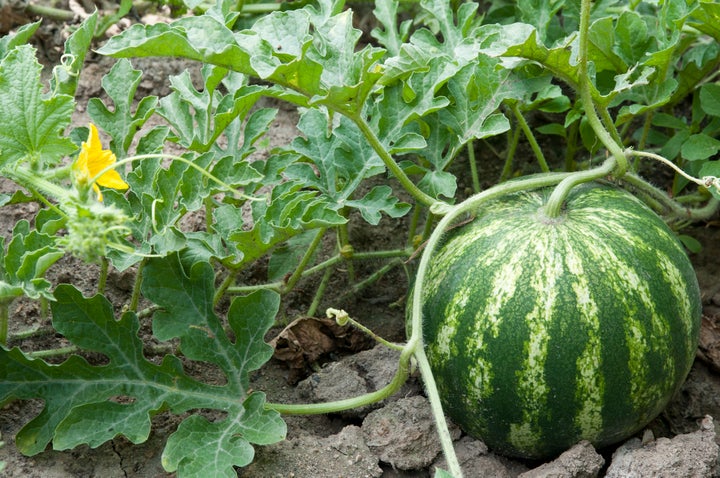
(443, 430)
(390, 163)
(135, 298)
(513, 142)
(473, 166)
(553, 207)
(586, 96)
(673, 209)
(343, 318)
(309, 252)
(397, 381)
(4, 319)
(530, 137)
(319, 292)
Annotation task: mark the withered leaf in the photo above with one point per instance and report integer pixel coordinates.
(307, 339)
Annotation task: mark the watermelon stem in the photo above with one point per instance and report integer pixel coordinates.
(668, 206)
(431, 391)
(706, 181)
(553, 207)
(586, 95)
(342, 318)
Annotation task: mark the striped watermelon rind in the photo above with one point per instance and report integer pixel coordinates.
(544, 331)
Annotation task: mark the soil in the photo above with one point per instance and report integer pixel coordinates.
(394, 438)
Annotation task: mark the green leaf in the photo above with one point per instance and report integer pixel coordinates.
(23, 265)
(700, 146)
(19, 37)
(242, 140)
(644, 97)
(454, 25)
(711, 168)
(199, 117)
(286, 257)
(698, 63)
(601, 39)
(520, 40)
(710, 99)
(539, 13)
(690, 243)
(477, 91)
(633, 41)
(291, 211)
(121, 123)
(438, 183)
(706, 18)
(80, 399)
(202, 38)
(380, 199)
(31, 123)
(340, 162)
(390, 36)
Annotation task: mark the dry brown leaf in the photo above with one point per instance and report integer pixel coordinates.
(305, 340)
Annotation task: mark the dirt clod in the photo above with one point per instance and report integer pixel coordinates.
(580, 461)
(307, 457)
(403, 433)
(477, 462)
(691, 455)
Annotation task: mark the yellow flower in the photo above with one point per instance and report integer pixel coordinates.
(93, 159)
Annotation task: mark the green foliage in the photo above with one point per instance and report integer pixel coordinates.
(437, 82)
(24, 261)
(86, 404)
(40, 141)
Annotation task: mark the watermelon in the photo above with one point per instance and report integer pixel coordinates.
(544, 331)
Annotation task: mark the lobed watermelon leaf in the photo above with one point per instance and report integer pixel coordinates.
(91, 404)
(22, 134)
(121, 123)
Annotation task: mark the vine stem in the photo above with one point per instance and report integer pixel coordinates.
(390, 163)
(473, 166)
(173, 157)
(343, 318)
(530, 137)
(4, 319)
(586, 95)
(620, 163)
(553, 207)
(369, 398)
(707, 181)
(281, 286)
(676, 209)
(309, 252)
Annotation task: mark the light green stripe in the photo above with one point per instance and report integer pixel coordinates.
(590, 385)
(679, 290)
(533, 390)
(634, 296)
